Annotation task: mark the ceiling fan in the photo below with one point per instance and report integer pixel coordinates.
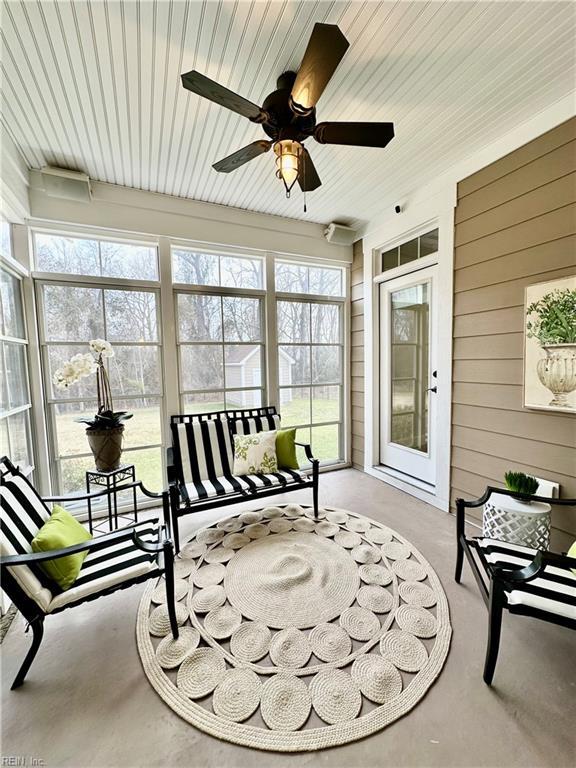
(288, 114)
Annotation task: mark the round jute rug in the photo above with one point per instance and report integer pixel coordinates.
(296, 634)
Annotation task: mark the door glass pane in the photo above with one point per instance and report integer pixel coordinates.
(410, 310)
(429, 243)
(409, 251)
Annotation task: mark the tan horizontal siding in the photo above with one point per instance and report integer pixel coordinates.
(515, 226)
(357, 355)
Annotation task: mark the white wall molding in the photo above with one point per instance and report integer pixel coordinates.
(137, 211)
(14, 180)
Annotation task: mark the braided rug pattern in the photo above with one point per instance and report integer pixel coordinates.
(296, 634)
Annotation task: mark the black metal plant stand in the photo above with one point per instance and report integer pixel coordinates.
(111, 481)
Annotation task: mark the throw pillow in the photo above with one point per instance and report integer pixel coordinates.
(286, 449)
(59, 531)
(255, 454)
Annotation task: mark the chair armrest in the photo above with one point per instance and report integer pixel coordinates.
(93, 545)
(105, 492)
(158, 546)
(534, 569)
(307, 450)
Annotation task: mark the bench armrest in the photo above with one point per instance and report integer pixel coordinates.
(307, 450)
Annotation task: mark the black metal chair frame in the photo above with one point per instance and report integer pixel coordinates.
(179, 510)
(34, 615)
(493, 593)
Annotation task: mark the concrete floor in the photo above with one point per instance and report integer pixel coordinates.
(87, 701)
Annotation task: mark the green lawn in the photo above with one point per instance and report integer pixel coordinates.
(144, 429)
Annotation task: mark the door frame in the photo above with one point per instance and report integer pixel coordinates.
(420, 274)
(437, 211)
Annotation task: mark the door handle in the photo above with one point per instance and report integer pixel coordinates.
(432, 389)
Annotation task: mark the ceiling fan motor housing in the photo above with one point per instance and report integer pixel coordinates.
(282, 122)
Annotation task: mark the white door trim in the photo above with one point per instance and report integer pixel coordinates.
(435, 212)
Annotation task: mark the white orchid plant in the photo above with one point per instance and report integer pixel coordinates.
(82, 365)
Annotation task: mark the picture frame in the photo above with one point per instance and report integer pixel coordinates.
(550, 345)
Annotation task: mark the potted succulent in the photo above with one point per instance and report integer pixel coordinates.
(552, 322)
(106, 428)
(517, 521)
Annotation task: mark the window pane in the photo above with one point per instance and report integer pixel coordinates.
(302, 436)
(199, 318)
(251, 398)
(73, 473)
(409, 251)
(201, 366)
(243, 365)
(326, 281)
(73, 314)
(390, 259)
(325, 442)
(19, 437)
(429, 243)
(295, 367)
(325, 323)
(59, 354)
(240, 272)
(11, 316)
(15, 374)
(203, 402)
(135, 262)
(293, 322)
(295, 406)
(144, 428)
(70, 255)
(70, 435)
(241, 319)
(325, 365)
(131, 316)
(325, 404)
(135, 371)
(148, 467)
(292, 278)
(194, 268)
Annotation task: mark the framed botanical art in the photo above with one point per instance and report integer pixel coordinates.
(550, 345)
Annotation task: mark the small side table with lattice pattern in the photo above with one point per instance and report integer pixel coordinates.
(517, 522)
(112, 481)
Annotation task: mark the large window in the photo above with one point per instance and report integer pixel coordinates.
(15, 405)
(311, 355)
(221, 350)
(72, 313)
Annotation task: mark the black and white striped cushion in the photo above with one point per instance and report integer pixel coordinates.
(248, 483)
(110, 566)
(202, 450)
(554, 592)
(253, 424)
(23, 514)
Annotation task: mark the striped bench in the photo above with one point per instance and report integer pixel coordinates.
(201, 460)
(518, 579)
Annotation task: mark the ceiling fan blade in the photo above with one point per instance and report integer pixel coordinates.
(326, 47)
(308, 178)
(209, 89)
(355, 134)
(241, 156)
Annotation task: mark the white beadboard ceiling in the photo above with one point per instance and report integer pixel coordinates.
(95, 86)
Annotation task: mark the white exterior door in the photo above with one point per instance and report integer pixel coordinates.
(408, 374)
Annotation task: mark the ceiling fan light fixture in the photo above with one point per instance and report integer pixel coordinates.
(288, 153)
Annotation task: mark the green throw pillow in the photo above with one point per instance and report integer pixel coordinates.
(572, 553)
(286, 449)
(59, 531)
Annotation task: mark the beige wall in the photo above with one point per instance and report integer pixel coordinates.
(357, 355)
(515, 225)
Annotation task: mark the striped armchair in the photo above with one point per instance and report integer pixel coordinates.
(522, 580)
(201, 459)
(114, 561)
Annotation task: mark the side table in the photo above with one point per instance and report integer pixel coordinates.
(111, 481)
(517, 522)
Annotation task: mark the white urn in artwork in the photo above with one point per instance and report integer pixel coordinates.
(557, 372)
